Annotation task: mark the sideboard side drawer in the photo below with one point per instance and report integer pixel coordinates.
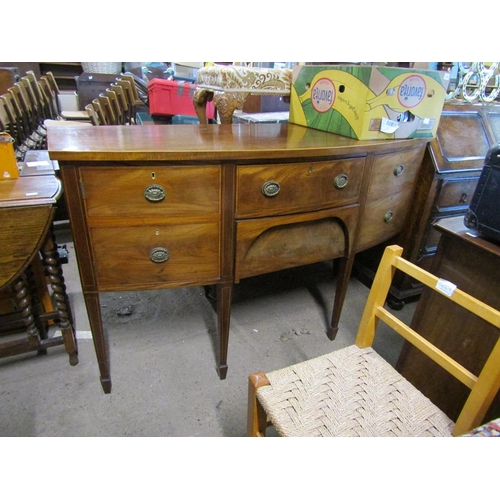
(383, 219)
(393, 172)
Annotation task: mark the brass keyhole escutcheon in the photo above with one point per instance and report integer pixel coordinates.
(398, 170)
(388, 216)
(340, 182)
(155, 193)
(159, 255)
(270, 189)
(463, 198)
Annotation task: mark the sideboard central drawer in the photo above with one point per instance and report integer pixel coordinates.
(151, 191)
(278, 189)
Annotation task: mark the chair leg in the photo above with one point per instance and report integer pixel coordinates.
(200, 99)
(256, 417)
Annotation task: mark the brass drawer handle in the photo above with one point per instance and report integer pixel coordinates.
(340, 182)
(159, 254)
(270, 189)
(155, 193)
(388, 216)
(398, 170)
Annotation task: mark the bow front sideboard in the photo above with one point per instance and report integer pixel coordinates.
(194, 205)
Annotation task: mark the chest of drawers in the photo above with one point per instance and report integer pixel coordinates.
(167, 206)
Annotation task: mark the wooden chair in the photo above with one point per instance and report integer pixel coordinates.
(123, 102)
(100, 112)
(135, 94)
(33, 96)
(54, 119)
(107, 109)
(14, 125)
(117, 107)
(31, 105)
(355, 392)
(94, 118)
(30, 124)
(41, 98)
(128, 92)
(49, 78)
(111, 107)
(32, 139)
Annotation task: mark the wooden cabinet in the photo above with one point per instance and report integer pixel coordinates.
(162, 206)
(444, 187)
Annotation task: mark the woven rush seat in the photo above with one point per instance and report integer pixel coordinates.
(337, 395)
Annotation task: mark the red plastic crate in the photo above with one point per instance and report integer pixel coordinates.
(168, 98)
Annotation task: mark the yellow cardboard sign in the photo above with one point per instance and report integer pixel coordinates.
(8, 163)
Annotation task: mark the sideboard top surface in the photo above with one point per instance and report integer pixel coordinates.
(206, 143)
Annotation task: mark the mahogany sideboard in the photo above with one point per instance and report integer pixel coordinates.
(169, 206)
(446, 182)
(472, 264)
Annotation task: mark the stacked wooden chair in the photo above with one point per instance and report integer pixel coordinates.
(117, 105)
(52, 92)
(28, 108)
(32, 105)
(355, 392)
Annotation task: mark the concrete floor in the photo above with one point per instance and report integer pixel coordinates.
(163, 357)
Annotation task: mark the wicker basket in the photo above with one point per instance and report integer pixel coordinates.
(110, 68)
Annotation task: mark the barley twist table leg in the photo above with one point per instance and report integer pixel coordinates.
(36, 305)
(23, 300)
(64, 316)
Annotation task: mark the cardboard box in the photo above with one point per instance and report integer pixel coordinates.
(368, 102)
(168, 98)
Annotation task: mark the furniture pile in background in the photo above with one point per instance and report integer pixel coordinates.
(27, 108)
